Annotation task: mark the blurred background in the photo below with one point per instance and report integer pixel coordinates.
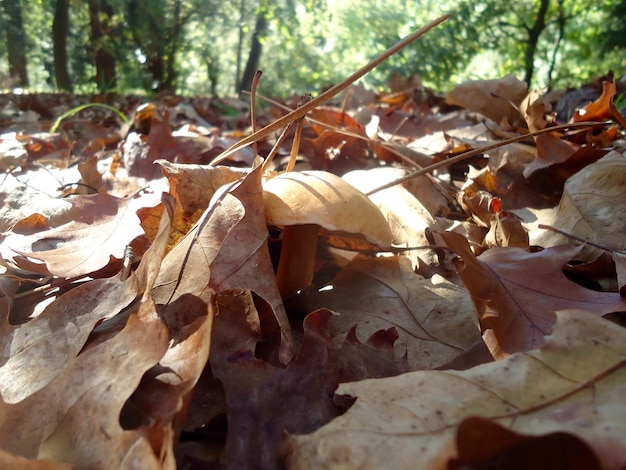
(213, 47)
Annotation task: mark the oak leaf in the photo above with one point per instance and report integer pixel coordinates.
(494, 99)
(433, 317)
(588, 208)
(226, 249)
(264, 401)
(102, 227)
(516, 293)
(573, 385)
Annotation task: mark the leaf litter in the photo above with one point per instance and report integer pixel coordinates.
(142, 324)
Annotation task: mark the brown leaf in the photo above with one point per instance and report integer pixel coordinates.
(551, 150)
(139, 157)
(573, 386)
(164, 394)
(19, 201)
(408, 219)
(588, 208)
(68, 408)
(433, 318)
(74, 418)
(481, 442)
(102, 227)
(265, 401)
(34, 353)
(599, 109)
(517, 293)
(9, 461)
(494, 99)
(226, 249)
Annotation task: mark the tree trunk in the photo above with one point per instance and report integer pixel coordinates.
(533, 39)
(16, 42)
(102, 55)
(242, 12)
(59, 39)
(255, 52)
(171, 48)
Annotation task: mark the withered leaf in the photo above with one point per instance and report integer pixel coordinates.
(102, 227)
(433, 317)
(264, 401)
(574, 384)
(517, 293)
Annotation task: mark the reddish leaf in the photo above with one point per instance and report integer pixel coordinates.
(517, 293)
(599, 109)
(481, 442)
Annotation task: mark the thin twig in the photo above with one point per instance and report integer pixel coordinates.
(579, 239)
(403, 158)
(478, 151)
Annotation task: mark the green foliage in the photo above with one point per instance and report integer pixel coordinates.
(191, 46)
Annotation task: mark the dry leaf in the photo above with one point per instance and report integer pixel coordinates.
(574, 384)
(433, 318)
(264, 401)
(494, 99)
(36, 352)
(600, 108)
(408, 219)
(226, 249)
(590, 207)
(102, 227)
(516, 293)
(74, 418)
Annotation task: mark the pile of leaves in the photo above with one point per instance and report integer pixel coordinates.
(142, 325)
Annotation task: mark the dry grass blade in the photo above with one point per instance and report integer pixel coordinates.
(328, 94)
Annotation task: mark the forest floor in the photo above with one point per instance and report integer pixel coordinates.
(440, 279)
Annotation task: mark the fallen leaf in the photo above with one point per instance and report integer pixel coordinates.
(408, 219)
(74, 418)
(35, 352)
(433, 318)
(226, 249)
(588, 208)
(494, 99)
(516, 293)
(482, 442)
(600, 108)
(139, 157)
(264, 401)
(573, 385)
(9, 461)
(19, 200)
(102, 227)
(551, 150)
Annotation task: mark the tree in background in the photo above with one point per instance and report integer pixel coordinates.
(60, 28)
(256, 47)
(101, 21)
(195, 46)
(15, 38)
(158, 29)
(615, 36)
